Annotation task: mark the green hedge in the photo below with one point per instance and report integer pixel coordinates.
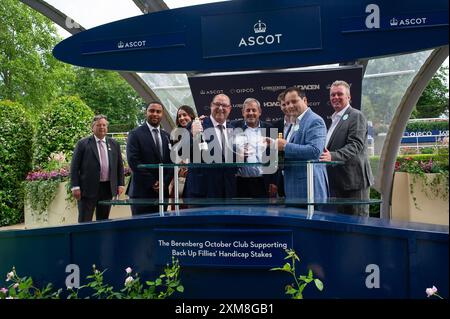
(16, 131)
(426, 126)
(60, 126)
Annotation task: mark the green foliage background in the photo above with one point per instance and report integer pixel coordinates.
(107, 93)
(434, 100)
(16, 131)
(59, 128)
(426, 126)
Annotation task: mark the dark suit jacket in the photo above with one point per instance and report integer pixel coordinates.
(348, 143)
(85, 166)
(280, 179)
(268, 178)
(279, 125)
(141, 149)
(210, 182)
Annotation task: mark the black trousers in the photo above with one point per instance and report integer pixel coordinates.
(357, 210)
(280, 183)
(251, 187)
(86, 206)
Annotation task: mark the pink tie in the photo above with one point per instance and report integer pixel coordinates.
(104, 174)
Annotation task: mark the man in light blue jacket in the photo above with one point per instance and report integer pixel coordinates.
(305, 141)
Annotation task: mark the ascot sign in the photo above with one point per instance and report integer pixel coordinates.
(260, 27)
(131, 44)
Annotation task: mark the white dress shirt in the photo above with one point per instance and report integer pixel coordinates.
(335, 118)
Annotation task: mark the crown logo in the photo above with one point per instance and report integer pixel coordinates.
(393, 22)
(120, 45)
(259, 27)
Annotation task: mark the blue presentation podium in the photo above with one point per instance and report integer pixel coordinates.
(226, 252)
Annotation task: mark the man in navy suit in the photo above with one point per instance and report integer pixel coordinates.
(218, 182)
(96, 172)
(148, 144)
(251, 182)
(305, 141)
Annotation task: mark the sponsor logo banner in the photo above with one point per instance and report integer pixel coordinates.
(262, 32)
(265, 87)
(223, 247)
(155, 41)
(379, 20)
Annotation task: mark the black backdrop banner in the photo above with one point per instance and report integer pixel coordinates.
(266, 86)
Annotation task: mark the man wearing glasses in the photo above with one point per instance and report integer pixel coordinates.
(215, 131)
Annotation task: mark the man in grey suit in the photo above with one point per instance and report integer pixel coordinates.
(96, 172)
(347, 142)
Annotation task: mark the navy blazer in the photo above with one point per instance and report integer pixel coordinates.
(210, 182)
(141, 149)
(85, 166)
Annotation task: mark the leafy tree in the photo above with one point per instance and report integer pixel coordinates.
(16, 150)
(107, 93)
(434, 99)
(384, 86)
(60, 126)
(29, 74)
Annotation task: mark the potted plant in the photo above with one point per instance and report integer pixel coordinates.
(48, 199)
(420, 190)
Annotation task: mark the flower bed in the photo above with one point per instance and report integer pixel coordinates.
(48, 198)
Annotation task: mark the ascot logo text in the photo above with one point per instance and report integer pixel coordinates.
(131, 44)
(260, 29)
(394, 22)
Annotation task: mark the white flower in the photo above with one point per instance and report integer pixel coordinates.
(345, 117)
(431, 291)
(128, 281)
(128, 270)
(4, 290)
(9, 276)
(16, 285)
(58, 157)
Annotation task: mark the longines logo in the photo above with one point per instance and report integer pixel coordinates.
(260, 28)
(131, 44)
(273, 88)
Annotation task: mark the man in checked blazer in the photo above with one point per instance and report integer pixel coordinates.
(347, 141)
(96, 172)
(305, 141)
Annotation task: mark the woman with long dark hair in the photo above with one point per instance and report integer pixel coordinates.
(185, 114)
